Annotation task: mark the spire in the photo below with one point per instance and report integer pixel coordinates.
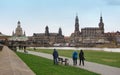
(101, 20)
(101, 14)
(60, 31)
(76, 19)
(76, 24)
(46, 31)
(101, 24)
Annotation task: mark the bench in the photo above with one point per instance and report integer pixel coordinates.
(61, 60)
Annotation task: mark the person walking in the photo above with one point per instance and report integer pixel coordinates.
(24, 47)
(74, 57)
(55, 56)
(81, 57)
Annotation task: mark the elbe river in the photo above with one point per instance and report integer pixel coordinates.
(83, 48)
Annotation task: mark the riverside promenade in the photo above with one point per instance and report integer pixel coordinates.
(11, 64)
(90, 66)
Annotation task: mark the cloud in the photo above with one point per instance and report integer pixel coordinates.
(113, 2)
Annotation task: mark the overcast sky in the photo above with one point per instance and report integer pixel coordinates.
(34, 15)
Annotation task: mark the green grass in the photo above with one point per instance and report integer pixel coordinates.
(43, 66)
(102, 57)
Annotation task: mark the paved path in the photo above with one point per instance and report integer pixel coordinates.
(11, 64)
(94, 67)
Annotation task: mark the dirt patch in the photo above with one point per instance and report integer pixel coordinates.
(109, 60)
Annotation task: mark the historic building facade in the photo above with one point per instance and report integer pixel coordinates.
(18, 30)
(88, 35)
(18, 38)
(75, 37)
(47, 38)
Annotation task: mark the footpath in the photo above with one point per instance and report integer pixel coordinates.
(11, 64)
(90, 66)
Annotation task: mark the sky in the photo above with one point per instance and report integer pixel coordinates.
(35, 15)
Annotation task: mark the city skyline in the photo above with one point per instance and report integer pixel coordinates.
(35, 15)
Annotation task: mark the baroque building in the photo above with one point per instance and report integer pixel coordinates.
(93, 34)
(18, 39)
(47, 38)
(88, 35)
(76, 36)
(18, 30)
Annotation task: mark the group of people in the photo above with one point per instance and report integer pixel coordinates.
(81, 57)
(74, 57)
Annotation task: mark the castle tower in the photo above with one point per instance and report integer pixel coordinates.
(101, 24)
(18, 31)
(46, 31)
(60, 32)
(76, 32)
(76, 24)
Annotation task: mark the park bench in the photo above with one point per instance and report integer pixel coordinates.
(65, 61)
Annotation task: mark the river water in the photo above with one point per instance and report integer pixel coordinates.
(79, 48)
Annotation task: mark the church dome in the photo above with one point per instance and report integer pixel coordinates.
(18, 31)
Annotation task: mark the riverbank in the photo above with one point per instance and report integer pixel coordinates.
(44, 66)
(79, 48)
(101, 57)
(90, 66)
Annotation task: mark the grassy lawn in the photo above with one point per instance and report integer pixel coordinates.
(43, 66)
(102, 57)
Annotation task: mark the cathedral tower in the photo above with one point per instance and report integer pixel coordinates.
(101, 24)
(46, 31)
(76, 24)
(76, 32)
(60, 32)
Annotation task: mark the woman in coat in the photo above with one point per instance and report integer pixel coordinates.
(75, 56)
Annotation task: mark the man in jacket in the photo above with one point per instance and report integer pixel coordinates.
(55, 56)
(81, 57)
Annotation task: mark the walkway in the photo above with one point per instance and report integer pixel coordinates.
(93, 67)
(11, 64)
